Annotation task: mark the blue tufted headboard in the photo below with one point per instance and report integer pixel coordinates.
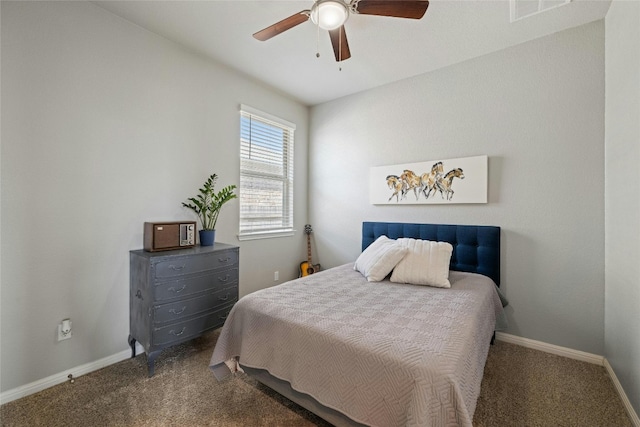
(476, 248)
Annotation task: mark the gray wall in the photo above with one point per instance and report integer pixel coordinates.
(105, 126)
(537, 111)
(622, 200)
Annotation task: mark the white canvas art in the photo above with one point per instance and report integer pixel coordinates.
(462, 180)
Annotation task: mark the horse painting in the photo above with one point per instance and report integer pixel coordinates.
(438, 181)
(427, 183)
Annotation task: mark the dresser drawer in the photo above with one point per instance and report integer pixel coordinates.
(181, 287)
(191, 306)
(190, 328)
(196, 264)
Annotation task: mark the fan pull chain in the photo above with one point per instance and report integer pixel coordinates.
(340, 49)
(318, 34)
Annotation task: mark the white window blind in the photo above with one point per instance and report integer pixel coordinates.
(266, 174)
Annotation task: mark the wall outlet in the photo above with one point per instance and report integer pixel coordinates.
(64, 330)
(276, 276)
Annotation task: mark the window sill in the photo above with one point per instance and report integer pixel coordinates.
(266, 235)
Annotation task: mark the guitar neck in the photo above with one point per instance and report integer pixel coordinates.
(309, 248)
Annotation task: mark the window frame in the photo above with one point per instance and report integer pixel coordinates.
(287, 177)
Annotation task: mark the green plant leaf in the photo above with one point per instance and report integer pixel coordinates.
(208, 203)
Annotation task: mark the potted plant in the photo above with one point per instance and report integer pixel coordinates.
(207, 206)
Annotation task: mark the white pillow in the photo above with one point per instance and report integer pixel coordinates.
(426, 263)
(379, 258)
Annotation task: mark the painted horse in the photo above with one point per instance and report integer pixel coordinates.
(447, 181)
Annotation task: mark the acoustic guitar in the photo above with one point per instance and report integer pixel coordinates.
(306, 267)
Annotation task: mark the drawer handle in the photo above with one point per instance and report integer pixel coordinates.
(227, 259)
(224, 298)
(177, 291)
(177, 267)
(224, 279)
(172, 332)
(224, 317)
(176, 312)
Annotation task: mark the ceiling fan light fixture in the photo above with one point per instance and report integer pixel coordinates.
(329, 14)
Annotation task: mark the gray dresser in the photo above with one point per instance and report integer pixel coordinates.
(177, 295)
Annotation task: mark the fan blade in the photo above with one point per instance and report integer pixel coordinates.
(282, 26)
(413, 9)
(340, 44)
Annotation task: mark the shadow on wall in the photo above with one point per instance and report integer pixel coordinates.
(518, 255)
(495, 178)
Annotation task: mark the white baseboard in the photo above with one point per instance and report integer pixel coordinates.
(625, 400)
(577, 355)
(550, 348)
(61, 377)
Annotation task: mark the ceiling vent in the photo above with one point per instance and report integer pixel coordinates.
(521, 9)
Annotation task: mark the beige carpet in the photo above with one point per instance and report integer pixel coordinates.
(521, 387)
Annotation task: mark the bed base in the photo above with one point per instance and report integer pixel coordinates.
(282, 387)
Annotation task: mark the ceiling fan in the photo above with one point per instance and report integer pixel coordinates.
(331, 15)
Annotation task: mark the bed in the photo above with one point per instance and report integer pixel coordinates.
(362, 350)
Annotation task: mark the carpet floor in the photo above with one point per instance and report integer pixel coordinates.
(521, 387)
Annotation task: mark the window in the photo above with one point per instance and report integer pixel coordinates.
(266, 175)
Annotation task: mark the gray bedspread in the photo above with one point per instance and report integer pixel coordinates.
(382, 353)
